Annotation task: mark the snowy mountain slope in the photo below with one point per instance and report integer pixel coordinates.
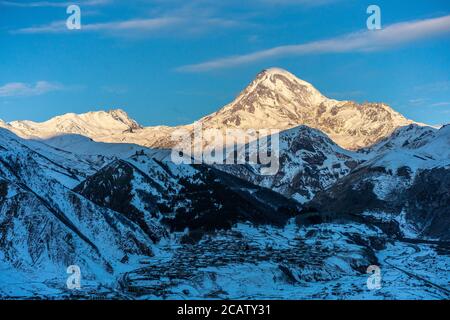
(159, 137)
(44, 225)
(89, 124)
(407, 184)
(85, 146)
(413, 146)
(78, 131)
(67, 196)
(120, 138)
(276, 99)
(33, 237)
(124, 188)
(66, 168)
(109, 222)
(402, 137)
(200, 198)
(37, 234)
(76, 165)
(309, 162)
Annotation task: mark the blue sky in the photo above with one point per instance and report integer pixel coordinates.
(173, 61)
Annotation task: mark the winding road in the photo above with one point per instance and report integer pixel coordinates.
(413, 243)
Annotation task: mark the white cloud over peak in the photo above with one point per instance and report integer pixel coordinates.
(394, 35)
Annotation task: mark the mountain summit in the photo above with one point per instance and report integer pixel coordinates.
(275, 99)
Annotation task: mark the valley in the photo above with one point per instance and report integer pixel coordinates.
(357, 185)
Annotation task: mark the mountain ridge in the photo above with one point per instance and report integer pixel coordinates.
(275, 99)
(325, 216)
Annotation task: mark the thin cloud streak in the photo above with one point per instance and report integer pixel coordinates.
(140, 27)
(40, 4)
(364, 41)
(311, 3)
(177, 16)
(441, 104)
(20, 89)
(129, 25)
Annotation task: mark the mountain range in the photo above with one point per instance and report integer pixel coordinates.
(276, 99)
(357, 185)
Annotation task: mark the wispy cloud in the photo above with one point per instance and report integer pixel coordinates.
(166, 17)
(39, 4)
(441, 104)
(311, 3)
(189, 18)
(440, 86)
(18, 89)
(426, 102)
(140, 27)
(364, 41)
(417, 102)
(115, 89)
(54, 27)
(134, 25)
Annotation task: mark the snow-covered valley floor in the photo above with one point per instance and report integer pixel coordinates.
(326, 261)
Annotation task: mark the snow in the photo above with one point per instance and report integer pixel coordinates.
(276, 99)
(98, 123)
(45, 161)
(331, 278)
(418, 149)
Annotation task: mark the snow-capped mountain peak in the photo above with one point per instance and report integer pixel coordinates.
(122, 116)
(91, 124)
(282, 80)
(275, 99)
